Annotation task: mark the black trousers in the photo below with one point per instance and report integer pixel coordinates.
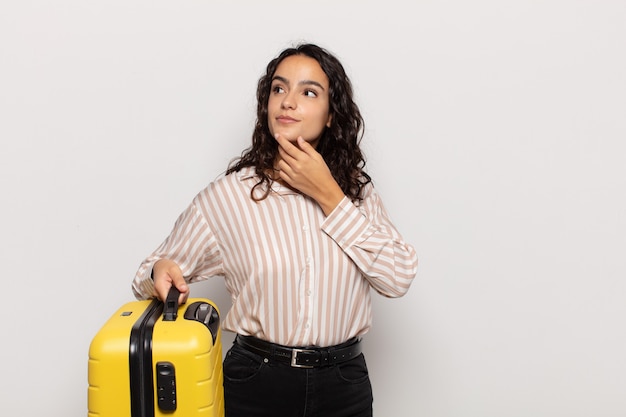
(255, 386)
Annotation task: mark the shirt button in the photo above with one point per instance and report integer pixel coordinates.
(305, 227)
(309, 292)
(306, 326)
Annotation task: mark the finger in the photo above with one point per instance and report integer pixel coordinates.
(288, 147)
(162, 287)
(306, 146)
(167, 273)
(181, 285)
(183, 298)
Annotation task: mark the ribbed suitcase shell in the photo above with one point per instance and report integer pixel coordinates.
(122, 385)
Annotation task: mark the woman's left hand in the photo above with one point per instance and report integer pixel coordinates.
(304, 169)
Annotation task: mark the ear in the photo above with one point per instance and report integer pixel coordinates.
(330, 119)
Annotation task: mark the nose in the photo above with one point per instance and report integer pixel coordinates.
(289, 101)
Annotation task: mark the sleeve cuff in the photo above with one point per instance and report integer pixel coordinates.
(143, 284)
(345, 224)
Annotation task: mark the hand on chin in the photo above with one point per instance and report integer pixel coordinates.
(293, 138)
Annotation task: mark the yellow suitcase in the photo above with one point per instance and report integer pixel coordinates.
(158, 359)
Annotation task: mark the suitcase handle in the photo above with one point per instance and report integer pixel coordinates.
(170, 305)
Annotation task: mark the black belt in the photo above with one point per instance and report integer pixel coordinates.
(306, 357)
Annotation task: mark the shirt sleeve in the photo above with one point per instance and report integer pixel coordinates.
(191, 244)
(367, 235)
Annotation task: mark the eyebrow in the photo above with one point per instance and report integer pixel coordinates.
(303, 82)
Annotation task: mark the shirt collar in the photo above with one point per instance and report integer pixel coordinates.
(248, 173)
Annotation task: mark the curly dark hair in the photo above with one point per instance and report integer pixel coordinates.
(339, 143)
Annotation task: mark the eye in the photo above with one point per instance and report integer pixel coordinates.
(277, 89)
(310, 93)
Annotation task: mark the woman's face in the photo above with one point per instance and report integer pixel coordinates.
(298, 104)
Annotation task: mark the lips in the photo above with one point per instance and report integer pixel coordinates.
(286, 119)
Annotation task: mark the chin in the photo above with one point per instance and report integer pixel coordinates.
(289, 136)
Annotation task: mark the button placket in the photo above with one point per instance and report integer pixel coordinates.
(309, 272)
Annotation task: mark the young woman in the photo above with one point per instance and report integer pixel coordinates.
(300, 236)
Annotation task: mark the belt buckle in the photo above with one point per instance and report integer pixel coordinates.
(294, 358)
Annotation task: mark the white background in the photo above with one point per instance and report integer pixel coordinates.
(495, 132)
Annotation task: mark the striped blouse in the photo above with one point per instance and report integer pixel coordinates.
(296, 277)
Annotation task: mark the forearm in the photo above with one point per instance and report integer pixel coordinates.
(375, 246)
(191, 253)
